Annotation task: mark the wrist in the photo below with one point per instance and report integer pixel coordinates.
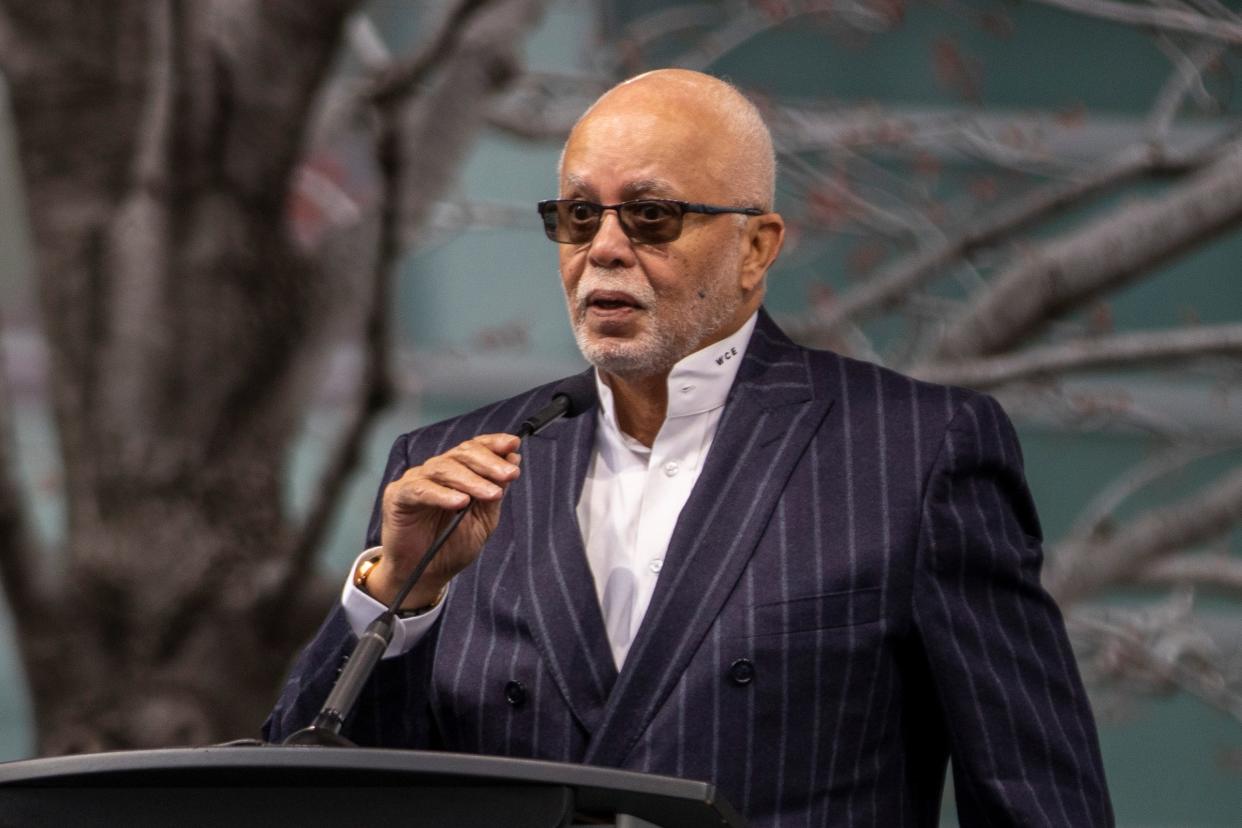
(375, 576)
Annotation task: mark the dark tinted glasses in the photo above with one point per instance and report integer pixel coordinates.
(645, 221)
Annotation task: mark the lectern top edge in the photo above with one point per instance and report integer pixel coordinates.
(688, 802)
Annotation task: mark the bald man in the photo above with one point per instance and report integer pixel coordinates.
(809, 580)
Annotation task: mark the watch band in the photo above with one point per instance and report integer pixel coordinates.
(368, 566)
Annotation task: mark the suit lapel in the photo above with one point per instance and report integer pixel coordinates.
(772, 412)
(565, 618)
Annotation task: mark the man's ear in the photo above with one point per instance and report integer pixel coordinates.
(763, 239)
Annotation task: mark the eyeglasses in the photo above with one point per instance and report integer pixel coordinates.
(645, 221)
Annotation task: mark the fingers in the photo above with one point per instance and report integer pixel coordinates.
(486, 456)
(479, 468)
(473, 468)
(500, 444)
(415, 507)
(407, 495)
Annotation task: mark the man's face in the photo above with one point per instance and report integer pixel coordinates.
(637, 309)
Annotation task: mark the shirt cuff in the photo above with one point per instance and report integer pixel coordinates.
(361, 609)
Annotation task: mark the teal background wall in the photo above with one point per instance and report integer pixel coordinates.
(480, 314)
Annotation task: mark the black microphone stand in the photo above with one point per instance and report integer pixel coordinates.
(325, 730)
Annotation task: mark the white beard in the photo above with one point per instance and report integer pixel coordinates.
(670, 334)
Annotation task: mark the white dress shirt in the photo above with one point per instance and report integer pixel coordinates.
(630, 501)
(633, 495)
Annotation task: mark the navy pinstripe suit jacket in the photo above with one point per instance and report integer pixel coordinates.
(850, 597)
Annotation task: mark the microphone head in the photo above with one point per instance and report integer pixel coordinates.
(571, 396)
(579, 391)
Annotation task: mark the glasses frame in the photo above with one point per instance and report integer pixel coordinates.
(551, 204)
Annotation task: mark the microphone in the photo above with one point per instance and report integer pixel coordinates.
(570, 398)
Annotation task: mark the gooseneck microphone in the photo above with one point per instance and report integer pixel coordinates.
(572, 396)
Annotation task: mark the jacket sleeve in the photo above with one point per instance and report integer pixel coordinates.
(393, 709)
(1023, 744)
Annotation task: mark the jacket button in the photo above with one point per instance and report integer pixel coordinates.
(515, 693)
(742, 672)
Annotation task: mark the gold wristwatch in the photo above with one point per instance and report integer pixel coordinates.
(364, 571)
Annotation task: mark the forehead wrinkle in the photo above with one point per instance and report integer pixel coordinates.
(643, 187)
(578, 183)
(648, 187)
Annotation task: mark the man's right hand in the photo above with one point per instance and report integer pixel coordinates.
(424, 499)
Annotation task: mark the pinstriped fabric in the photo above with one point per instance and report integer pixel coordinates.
(767, 365)
(690, 598)
(863, 541)
(658, 608)
(992, 543)
(717, 724)
(492, 642)
(568, 503)
(535, 720)
(972, 633)
(706, 555)
(851, 541)
(748, 774)
(1003, 588)
(512, 670)
(957, 637)
(449, 438)
(1011, 454)
(918, 483)
(881, 451)
(783, 715)
(989, 545)
(1080, 712)
(683, 703)
(455, 692)
(557, 576)
(558, 572)
(817, 536)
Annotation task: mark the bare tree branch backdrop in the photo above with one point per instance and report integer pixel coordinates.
(184, 325)
(184, 315)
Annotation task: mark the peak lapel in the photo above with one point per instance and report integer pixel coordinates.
(564, 618)
(773, 411)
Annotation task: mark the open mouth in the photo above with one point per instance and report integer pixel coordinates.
(607, 300)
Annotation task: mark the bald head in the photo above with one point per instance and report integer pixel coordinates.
(639, 306)
(703, 119)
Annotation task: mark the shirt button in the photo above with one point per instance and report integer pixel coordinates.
(742, 672)
(686, 389)
(671, 468)
(655, 564)
(515, 693)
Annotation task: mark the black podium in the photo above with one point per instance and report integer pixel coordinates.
(239, 787)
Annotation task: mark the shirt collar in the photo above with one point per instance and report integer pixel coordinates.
(698, 383)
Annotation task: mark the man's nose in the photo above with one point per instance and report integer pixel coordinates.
(611, 247)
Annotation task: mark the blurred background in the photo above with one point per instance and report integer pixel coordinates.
(245, 244)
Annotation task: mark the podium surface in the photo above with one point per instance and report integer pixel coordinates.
(315, 786)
